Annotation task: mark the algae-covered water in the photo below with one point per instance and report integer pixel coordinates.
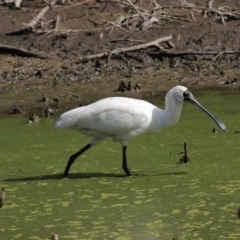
(163, 200)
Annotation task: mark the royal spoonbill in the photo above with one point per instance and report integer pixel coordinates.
(122, 118)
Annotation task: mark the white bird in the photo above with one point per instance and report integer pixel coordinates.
(122, 119)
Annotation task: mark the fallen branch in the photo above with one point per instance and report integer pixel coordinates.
(55, 29)
(227, 15)
(179, 54)
(41, 14)
(5, 49)
(127, 40)
(117, 51)
(29, 27)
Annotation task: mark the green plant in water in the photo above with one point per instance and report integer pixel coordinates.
(163, 199)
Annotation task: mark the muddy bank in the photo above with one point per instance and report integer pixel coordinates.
(202, 51)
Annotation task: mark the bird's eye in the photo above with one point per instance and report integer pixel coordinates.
(186, 95)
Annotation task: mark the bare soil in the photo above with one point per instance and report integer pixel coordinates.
(86, 28)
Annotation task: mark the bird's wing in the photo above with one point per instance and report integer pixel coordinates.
(110, 116)
(114, 121)
(116, 115)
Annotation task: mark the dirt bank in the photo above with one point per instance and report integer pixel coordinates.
(202, 50)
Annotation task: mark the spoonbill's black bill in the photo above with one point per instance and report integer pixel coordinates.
(190, 98)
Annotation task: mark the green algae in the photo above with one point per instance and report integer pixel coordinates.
(163, 199)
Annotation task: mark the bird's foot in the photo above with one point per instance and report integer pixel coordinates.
(65, 176)
(126, 170)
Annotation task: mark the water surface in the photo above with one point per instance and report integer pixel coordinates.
(164, 199)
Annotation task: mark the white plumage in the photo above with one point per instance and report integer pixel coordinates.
(122, 118)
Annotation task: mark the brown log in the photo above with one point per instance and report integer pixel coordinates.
(117, 51)
(5, 49)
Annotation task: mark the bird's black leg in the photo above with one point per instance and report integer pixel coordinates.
(73, 158)
(124, 163)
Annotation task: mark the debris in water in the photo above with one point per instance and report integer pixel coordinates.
(184, 158)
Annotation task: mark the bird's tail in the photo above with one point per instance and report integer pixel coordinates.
(68, 119)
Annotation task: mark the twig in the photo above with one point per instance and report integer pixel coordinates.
(156, 5)
(55, 29)
(209, 3)
(215, 58)
(192, 16)
(5, 49)
(29, 27)
(200, 39)
(154, 43)
(174, 54)
(40, 15)
(114, 26)
(137, 10)
(184, 158)
(128, 39)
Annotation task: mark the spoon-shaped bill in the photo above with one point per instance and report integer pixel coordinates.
(192, 100)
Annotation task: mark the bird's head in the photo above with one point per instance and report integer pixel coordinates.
(178, 93)
(181, 93)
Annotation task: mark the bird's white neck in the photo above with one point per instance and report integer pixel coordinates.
(165, 118)
(172, 110)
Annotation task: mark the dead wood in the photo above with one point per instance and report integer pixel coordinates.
(224, 13)
(41, 14)
(118, 51)
(29, 27)
(209, 3)
(127, 40)
(220, 14)
(55, 29)
(5, 49)
(185, 158)
(17, 3)
(196, 53)
(141, 18)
